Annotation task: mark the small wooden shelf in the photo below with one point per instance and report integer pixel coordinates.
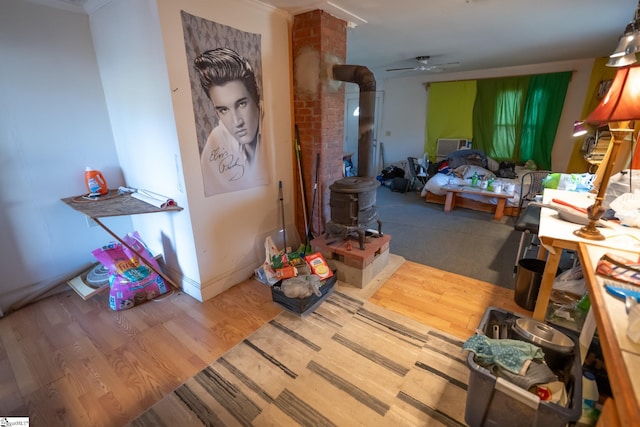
(112, 204)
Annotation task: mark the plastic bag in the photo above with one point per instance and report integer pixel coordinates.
(569, 181)
(571, 280)
(131, 281)
(568, 299)
(301, 286)
(627, 208)
(266, 273)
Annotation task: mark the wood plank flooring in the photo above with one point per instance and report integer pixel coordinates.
(69, 362)
(446, 301)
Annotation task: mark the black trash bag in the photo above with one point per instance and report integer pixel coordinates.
(507, 170)
(391, 172)
(399, 185)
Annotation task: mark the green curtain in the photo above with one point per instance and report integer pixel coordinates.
(509, 118)
(497, 115)
(545, 99)
(449, 112)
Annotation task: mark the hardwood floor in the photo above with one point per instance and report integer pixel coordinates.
(69, 362)
(446, 301)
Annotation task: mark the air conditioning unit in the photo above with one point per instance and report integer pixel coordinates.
(448, 145)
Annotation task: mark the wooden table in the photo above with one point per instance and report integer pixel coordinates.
(622, 366)
(556, 235)
(621, 355)
(453, 190)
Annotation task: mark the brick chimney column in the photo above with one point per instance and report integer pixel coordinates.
(319, 40)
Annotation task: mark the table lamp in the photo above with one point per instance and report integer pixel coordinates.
(579, 129)
(619, 108)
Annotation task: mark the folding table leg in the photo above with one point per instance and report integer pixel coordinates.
(519, 253)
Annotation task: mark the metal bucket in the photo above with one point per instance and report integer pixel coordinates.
(558, 347)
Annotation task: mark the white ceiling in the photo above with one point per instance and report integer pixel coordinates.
(479, 34)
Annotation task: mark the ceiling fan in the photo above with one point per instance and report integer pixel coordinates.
(422, 64)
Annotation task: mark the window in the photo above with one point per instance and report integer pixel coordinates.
(516, 118)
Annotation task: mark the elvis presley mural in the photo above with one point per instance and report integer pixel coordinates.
(225, 71)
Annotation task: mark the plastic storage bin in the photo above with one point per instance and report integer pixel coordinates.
(496, 402)
(303, 306)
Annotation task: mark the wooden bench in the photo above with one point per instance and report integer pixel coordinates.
(453, 190)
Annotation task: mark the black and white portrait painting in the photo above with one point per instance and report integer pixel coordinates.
(225, 70)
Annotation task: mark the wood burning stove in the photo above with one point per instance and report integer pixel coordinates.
(353, 207)
(353, 199)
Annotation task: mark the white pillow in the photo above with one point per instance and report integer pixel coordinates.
(492, 165)
(467, 171)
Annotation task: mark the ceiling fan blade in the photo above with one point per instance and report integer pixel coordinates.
(402, 69)
(437, 68)
(448, 64)
(423, 65)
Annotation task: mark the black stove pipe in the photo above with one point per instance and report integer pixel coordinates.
(366, 81)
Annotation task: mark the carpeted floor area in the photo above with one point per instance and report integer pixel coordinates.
(349, 362)
(462, 241)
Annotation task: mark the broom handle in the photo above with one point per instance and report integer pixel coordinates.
(313, 200)
(284, 228)
(303, 190)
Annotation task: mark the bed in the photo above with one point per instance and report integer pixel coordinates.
(461, 166)
(433, 193)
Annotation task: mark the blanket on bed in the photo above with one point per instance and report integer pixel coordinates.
(435, 184)
(466, 157)
(463, 165)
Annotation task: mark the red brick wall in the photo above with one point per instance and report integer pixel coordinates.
(318, 40)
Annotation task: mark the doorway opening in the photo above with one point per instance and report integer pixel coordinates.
(350, 145)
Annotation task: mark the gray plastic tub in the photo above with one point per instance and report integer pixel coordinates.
(493, 401)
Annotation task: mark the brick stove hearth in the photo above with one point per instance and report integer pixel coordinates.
(355, 266)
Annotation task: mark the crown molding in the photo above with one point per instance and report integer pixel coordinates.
(76, 6)
(85, 7)
(91, 6)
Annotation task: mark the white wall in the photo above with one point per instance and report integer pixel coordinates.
(404, 118)
(53, 123)
(128, 42)
(140, 46)
(404, 113)
(231, 227)
(66, 106)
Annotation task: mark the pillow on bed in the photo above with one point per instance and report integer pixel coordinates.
(492, 165)
(467, 171)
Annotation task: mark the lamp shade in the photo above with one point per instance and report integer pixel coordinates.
(622, 102)
(578, 129)
(627, 44)
(622, 61)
